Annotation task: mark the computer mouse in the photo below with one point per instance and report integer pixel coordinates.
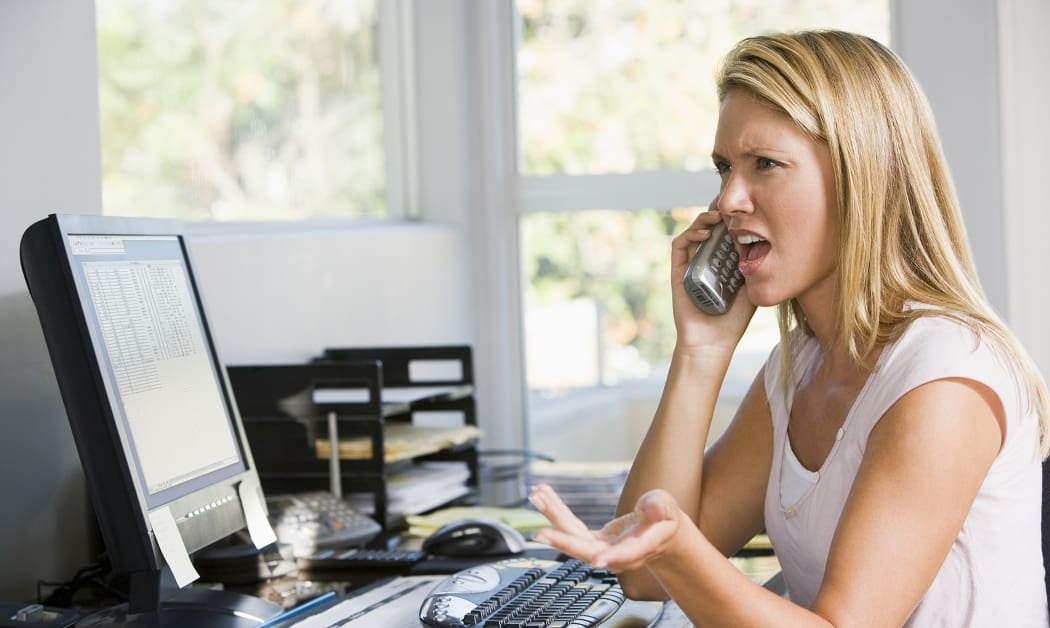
(474, 537)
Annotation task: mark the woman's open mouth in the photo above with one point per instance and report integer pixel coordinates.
(753, 250)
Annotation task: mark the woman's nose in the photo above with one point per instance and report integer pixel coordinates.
(735, 196)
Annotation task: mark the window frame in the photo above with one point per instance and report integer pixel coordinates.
(397, 54)
(397, 73)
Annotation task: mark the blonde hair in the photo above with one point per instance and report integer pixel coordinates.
(902, 234)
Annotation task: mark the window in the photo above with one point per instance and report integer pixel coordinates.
(245, 110)
(616, 111)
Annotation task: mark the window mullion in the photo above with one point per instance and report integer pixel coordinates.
(639, 190)
(397, 69)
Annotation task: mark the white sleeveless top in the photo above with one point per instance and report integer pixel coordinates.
(993, 574)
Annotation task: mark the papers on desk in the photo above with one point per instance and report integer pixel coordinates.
(523, 520)
(402, 441)
(424, 486)
(590, 489)
(394, 603)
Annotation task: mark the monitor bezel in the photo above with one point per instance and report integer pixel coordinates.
(203, 516)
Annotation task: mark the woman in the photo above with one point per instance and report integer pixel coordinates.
(890, 446)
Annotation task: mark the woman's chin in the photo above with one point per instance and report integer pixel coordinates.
(760, 298)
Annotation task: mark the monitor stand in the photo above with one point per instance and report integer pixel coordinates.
(170, 607)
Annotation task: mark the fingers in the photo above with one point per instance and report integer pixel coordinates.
(645, 543)
(625, 543)
(569, 534)
(547, 501)
(698, 229)
(709, 217)
(656, 521)
(585, 548)
(684, 244)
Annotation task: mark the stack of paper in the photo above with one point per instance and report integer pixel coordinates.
(590, 489)
(424, 486)
(402, 441)
(523, 520)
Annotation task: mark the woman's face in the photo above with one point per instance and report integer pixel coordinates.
(778, 199)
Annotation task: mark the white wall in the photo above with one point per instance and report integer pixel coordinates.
(1025, 85)
(49, 158)
(285, 296)
(952, 48)
(985, 67)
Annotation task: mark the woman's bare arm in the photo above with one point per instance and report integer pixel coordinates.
(924, 464)
(721, 491)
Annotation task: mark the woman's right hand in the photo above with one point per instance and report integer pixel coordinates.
(697, 330)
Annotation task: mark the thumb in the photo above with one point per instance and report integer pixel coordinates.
(657, 505)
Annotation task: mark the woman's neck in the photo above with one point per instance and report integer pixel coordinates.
(822, 319)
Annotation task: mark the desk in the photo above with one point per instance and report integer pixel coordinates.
(396, 602)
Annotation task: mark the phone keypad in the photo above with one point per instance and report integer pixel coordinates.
(713, 275)
(724, 262)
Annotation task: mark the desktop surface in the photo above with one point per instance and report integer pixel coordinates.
(192, 607)
(400, 600)
(395, 595)
(396, 603)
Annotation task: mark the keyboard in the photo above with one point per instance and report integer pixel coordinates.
(360, 560)
(524, 593)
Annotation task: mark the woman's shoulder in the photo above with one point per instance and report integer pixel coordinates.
(939, 344)
(942, 335)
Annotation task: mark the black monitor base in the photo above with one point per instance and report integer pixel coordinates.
(199, 608)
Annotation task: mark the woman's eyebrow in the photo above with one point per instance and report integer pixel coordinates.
(757, 151)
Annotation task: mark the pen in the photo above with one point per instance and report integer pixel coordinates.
(302, 609)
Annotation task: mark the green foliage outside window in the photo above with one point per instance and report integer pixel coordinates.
(241, 110)
(628, 85)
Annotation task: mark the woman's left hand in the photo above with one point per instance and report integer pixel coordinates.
(623, 544)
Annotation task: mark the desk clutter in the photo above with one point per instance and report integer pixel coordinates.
(363, 452)
(524, 520)
(421, 487)
(406, 586)
(402, 441)
(508, 592)
(590, 489)
(403, 420)
(179, 481)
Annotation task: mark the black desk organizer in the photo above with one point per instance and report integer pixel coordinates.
(283, 421)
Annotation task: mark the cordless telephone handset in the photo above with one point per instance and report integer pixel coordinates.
(713, 277)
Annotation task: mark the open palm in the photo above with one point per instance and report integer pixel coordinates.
(625, 543)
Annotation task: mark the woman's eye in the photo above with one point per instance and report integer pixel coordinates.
(721, 167)
(766, 164)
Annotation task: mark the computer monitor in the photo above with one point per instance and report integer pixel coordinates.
(148, 401)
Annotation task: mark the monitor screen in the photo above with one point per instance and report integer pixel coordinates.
(148, 400)
(158, 370)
